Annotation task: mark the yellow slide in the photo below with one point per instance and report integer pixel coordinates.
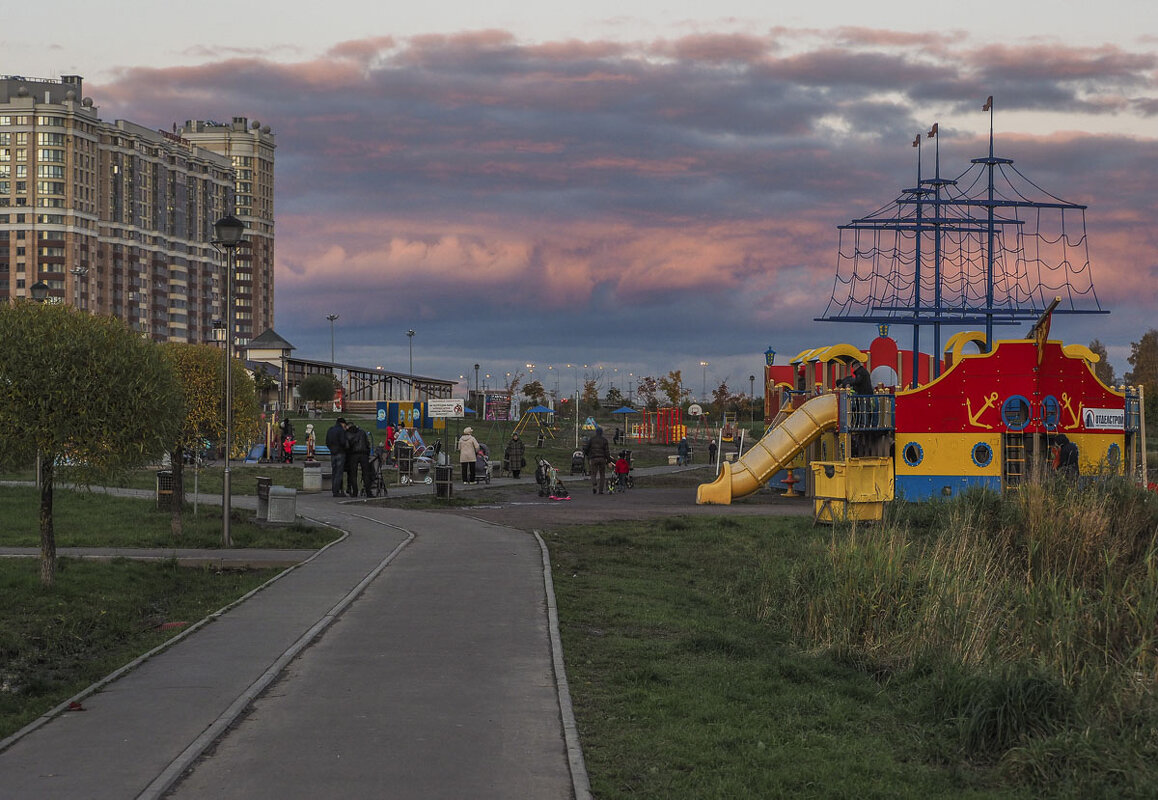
(769, 455)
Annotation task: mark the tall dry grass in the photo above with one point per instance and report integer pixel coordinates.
(1036, 610)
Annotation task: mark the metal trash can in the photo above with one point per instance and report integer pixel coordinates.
(311, 476)
(165, 488)
(283, 504)
(263, 485)
(444, 481)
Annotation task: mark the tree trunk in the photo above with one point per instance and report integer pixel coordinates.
(47, 535)
(177, 499)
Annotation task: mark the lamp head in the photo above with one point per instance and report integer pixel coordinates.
(228, 230)
(40, 291)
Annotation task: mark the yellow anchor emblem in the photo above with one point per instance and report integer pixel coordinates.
(973, 418)
(1075, 416)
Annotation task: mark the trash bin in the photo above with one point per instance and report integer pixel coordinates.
(444, 481)
(311, 476)
(263, 485)
(283, 504)
(164, 488)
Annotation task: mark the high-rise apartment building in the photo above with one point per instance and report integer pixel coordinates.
(250, 146)
(117, 218)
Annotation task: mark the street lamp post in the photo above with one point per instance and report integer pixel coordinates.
(704, 388)
(78, 274)
(228, 230)
(332, 318)
(476, 397)
(39, 295)
(410, 336)
(752, 397)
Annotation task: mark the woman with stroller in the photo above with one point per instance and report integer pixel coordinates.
(515, 455)
(467, 453)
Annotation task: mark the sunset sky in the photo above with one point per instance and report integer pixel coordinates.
(634, 186)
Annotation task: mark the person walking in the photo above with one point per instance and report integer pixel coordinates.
(467, 453)
(357, 460)
(336, 442)
(712, 449)
(683, 452)
(515, 455)
(598, 453)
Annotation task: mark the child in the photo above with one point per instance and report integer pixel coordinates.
(622, 467)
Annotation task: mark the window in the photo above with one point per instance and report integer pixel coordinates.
(50, 139)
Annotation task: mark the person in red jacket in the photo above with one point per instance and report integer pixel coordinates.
(622, 467)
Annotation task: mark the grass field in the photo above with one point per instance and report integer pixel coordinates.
(100, 615)
(91, 519)
(719, 657)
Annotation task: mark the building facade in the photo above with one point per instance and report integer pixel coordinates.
(116, 218)
(250, 148)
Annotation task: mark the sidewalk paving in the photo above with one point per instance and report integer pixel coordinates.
(412, 659)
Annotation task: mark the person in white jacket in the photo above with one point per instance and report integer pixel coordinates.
(467, 453)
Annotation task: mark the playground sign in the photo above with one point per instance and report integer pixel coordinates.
(455, 407)
(1100, 419)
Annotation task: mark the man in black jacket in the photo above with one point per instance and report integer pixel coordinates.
(598, 454)
(336, 443)
(358, 459)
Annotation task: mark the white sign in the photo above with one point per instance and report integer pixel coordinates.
(1101, 419)
(455, 407)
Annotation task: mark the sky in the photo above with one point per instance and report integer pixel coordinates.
(631, 187)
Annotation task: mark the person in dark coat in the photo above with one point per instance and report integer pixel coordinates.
(336, 443)
(358, 460)
(1067, 456)
(858, 380)
(598, 453)
(514, 455)
(683, 452)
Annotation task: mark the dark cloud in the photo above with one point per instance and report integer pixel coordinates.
(646, 204)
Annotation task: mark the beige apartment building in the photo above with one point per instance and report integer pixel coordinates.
(118, 219)
(249, 146)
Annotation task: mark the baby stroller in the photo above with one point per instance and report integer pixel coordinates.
(482, 465)
(378, 464)
(549, 483)
(414, 465)
(578, 463)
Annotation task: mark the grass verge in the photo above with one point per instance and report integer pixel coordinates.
(92, 519)
(743, 657)
(97, 617)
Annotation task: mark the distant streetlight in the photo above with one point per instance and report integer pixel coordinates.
(476, 399)
(228, 230)
(332, 318)
(752, 397)
(704, 392)
(410, 336)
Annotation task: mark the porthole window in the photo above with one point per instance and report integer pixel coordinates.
(1015, 413)
(913, 454)
(1049, 412)
(1114, 455)
(982, 454)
